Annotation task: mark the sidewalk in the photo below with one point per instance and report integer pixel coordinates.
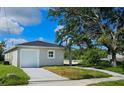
(83, 82)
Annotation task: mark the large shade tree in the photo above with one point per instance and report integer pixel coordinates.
(73, 22)
(72, 33)
(84, 26)
(111, 23)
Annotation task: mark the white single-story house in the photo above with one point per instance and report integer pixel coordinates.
(35, 54)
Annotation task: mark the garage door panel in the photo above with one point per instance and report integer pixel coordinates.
(29, 58)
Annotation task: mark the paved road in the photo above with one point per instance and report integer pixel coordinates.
(40, 74)
(83, 82)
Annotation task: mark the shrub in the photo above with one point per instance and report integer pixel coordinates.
(12, 79)
(122, 65)
(104, 63)
(1, 58)
(1, 80)
(102, 53)
(87, 76)
(90, 57)
(1, 62)
(6, 63)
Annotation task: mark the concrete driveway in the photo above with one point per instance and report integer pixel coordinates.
(60, 81)
(40, 74)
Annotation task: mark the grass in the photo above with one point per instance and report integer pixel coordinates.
(118, 69)
(20, 77)
(76, 73)
(115, 69)
(110, 83)
(1, 62)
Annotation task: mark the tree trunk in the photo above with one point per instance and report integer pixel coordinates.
(114, 64)
(70, 56)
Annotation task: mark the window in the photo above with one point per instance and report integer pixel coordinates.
(51, 54)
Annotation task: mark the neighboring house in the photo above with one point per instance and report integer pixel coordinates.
(35, 54)
(119, 57)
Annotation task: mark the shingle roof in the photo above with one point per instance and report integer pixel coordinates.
(33, 43)
(39, 43)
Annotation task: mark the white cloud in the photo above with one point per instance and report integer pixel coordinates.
(16, 40)
(15, 18)
(40, 39)
(13, 41)
(24, 16)
(58, 28)
(8, 26)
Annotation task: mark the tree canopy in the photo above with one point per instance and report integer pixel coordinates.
(87, 27)
(2, 47)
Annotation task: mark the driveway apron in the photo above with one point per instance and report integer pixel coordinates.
(40, 74)
(82, 82)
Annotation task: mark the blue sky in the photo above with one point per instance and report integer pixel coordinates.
(26, 24)
(45, 29)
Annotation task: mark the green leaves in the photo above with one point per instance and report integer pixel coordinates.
(73, 20)
(2, 47)
(83, 26)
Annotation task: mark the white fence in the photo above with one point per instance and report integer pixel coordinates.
(74, 62)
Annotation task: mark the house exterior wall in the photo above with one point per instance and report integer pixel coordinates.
(7, 57)
(43, 56)
(58, 60)
(12, 57)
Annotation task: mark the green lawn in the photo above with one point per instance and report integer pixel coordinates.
(76, 73)
(115, 69)
(110, 83)
(20, 77)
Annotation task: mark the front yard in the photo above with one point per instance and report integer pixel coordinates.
(117, 69)
(110, 83)
(11, 75)
(76, 73)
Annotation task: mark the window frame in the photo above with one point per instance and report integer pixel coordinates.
(53, 54)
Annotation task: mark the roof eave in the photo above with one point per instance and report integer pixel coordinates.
(24, 46)
(40, 46)
(12, 48)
